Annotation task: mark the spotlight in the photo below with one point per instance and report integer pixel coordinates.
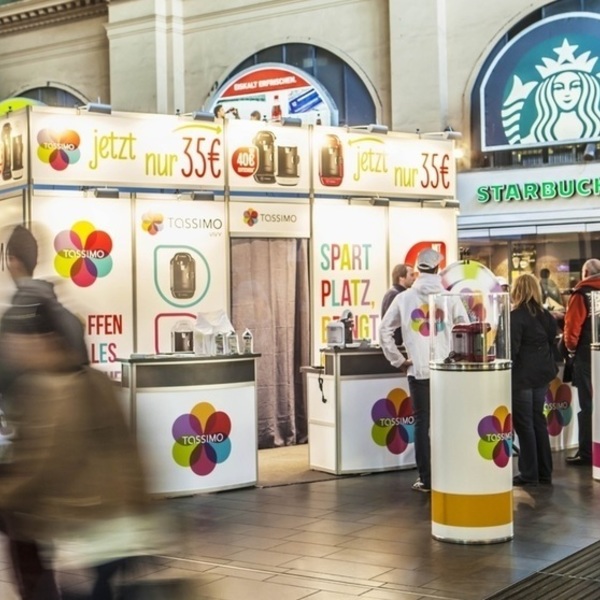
(291, 121)
(106, 192)
(590, 152)
(95, 107)
(202, 195)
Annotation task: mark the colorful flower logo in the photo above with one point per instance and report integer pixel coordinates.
(250, 217)
(393, 421)
(202, 439)
(474, 306)
(495, 432)
(557, 406)
(59, 149)
(83, 253)
(420, 320)
(152, 222)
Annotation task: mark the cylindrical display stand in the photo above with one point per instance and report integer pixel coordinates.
(595, 354)
(471, 448)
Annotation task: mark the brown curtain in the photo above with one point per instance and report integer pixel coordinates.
(270, 296)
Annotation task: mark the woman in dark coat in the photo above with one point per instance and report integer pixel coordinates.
(532, 335)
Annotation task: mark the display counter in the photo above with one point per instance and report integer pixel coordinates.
(194, 419)
(360, 415)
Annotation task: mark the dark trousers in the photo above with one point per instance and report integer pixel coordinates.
(582, 380)
(535, 455)
(419, 392)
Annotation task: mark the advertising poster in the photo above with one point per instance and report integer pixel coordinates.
(273, 91)
(14, 168)
(251, 218)
(414, 229)
(134, 150)
(181, 250)
(349, 263)
(85, 250)
(360, 162)
(11, 214)
(268, 157)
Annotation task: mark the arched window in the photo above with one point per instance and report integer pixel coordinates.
(553, 153)
(353, 100)
(52, 96)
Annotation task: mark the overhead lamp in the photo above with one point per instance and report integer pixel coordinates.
(291, 121)
(202, 195)
(449, 203)
(375, 128)
(590, 152)
(379, 201)
(106, 192)
(96, 107)
(447, 134)
(202, 115)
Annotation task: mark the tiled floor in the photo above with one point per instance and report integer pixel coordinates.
(361, 537)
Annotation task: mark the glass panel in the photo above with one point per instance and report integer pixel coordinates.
(557, 8)
(272, 54)
(300, 56)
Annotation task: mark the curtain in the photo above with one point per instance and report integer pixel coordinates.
(270, 296)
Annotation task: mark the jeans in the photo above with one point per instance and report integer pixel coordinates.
(421, 399)
(582, 380)
(535, 455)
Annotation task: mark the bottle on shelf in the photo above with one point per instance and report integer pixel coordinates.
(247, 342)
(276, 109)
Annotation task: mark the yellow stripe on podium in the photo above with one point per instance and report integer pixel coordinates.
(462, 510)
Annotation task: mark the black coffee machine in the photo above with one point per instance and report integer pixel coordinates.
(348, 320)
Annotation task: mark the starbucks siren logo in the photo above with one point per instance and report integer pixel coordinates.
(563, 105)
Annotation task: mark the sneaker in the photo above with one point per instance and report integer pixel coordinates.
(419, 486)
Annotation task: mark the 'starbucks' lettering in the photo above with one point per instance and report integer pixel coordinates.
(543, 190)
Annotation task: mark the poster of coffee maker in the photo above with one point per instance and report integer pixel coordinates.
(13, 165)
(180, 245)
(267, 156)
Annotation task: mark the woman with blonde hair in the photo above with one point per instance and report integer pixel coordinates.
(532, 336)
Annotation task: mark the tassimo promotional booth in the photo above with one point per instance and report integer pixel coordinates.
(137, 214)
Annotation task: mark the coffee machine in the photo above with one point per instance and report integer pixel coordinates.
(340, 332)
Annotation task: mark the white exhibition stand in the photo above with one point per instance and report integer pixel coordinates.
(195, 420)
(595, 352)
(471, 452)
(360, 416)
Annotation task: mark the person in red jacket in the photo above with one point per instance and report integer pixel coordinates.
(577, 338)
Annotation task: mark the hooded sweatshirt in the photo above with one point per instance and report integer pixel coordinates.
(410, 310)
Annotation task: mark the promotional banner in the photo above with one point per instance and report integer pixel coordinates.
(85, 250)
(349, 268)
(411, 230)
(130, 149)
(269, 219)
(181, 250)
(11, 214)
(360, 162)
(14, 166)
(268, 157)
(272, 91)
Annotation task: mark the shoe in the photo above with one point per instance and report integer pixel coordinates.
(518, 481)
(578, 461)
(545, 481)
(419, 486)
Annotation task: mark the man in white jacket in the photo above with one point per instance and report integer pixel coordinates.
(410, 310)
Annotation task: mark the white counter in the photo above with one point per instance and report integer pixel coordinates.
(195, 420)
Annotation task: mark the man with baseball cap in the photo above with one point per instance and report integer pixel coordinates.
(417, 344)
